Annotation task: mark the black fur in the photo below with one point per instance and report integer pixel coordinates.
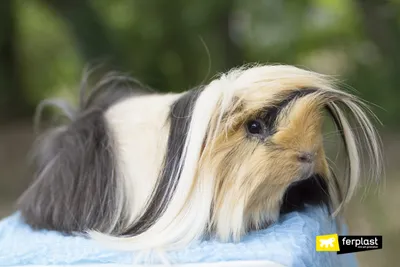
(311, 191)
(180, 117)
(75, 177)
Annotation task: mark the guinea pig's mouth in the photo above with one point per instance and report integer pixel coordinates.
(311, 191)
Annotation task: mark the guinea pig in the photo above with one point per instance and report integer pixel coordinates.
(144, 170)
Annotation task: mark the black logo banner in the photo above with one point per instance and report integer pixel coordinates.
(355, 243)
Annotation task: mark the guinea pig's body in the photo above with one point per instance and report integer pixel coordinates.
(162, 170)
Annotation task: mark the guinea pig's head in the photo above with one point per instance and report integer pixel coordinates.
(265, 149)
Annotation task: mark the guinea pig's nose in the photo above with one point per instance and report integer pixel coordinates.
(305, 157)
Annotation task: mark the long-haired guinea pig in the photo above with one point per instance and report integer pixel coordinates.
(148, 170)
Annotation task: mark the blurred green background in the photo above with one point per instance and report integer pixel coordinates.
(177, 44)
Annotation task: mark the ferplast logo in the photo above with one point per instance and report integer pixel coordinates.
(327, 242)
(347, 244)
(357, 243)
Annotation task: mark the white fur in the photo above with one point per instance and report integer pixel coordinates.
(132, 123)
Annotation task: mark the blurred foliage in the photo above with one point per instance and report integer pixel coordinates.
(177, 44)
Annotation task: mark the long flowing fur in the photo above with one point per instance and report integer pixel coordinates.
(185, 167)
(188, 214)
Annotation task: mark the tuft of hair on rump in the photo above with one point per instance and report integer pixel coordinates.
(76, 185)
(227, 180)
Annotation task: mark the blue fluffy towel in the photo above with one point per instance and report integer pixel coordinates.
(289, 242)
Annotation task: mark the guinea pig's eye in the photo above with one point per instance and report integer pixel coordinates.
(255, 127)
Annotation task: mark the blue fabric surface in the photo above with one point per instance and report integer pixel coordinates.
(290, 242)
